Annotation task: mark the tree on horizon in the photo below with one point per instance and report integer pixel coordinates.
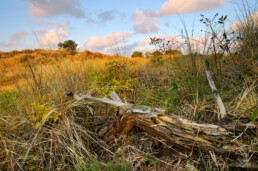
(69, 45)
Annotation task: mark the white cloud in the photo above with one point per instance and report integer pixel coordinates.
(250, 20)
(112, 43)
(40, 32)
(46, 8)
(21, 34)
(10, 43)
(200, 44)
(37, 21)
(52, 23)
(52, 37)
(15, 38)
(145, 22)
(235, 26)
(188, 6)
(110, 40)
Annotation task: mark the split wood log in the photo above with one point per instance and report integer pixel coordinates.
(175, 130)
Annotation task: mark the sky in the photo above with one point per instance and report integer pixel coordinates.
(107, 26)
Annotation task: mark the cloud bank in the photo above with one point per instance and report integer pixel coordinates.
(21, 34)
(146, 21)
(111, 39)
(52, 23)
(48, 8)
(49, 39)
(189, 6)
(15, 38)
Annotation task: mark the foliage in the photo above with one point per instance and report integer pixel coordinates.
(221, 41)
(4, 79)
(156, 53)
(69, 45)
(147, 54)
(137, 54)
(157, 57)
(169, 96)
(254, 115)
(116, 77)
(9, 101)
(173, 52)
(155, 41)
(157, 60)
(40, 113)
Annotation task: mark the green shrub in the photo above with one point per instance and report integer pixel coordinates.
(137, 54)
(8, 101)
(173, 52)
(3, 79)
(156, 53)
(116, 77)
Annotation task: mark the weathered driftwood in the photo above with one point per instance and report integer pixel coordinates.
(147, 112)
(175, 130)
(216, 94)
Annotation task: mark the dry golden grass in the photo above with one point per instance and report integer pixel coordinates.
(41, 82)
(16, 69)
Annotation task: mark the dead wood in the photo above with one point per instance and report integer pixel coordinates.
(216, 95)
(183, 135)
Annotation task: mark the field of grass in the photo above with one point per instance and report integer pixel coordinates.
(33, 83)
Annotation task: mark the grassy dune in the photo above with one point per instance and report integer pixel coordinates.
(34, 83)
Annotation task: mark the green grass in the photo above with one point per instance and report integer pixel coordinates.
(3, 79)
(9, 100)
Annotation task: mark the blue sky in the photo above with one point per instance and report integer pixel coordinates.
(107, 26)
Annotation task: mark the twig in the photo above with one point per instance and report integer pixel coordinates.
(241, 133)
(149, 155)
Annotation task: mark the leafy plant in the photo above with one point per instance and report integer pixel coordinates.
(254, 115)
(41, 111)
(220, 41)
(116, 77)
(169, 94)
